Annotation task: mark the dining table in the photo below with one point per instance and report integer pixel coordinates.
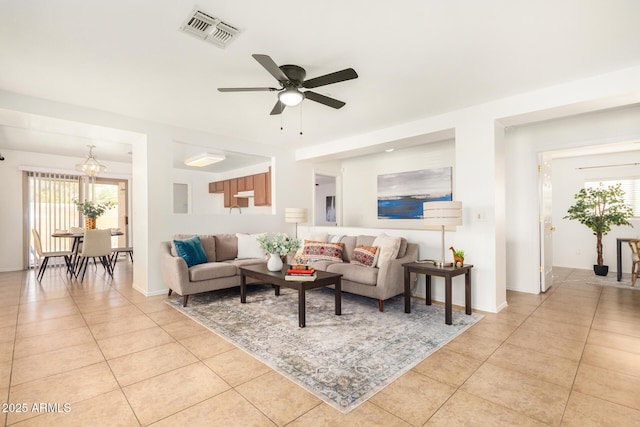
(77, 239)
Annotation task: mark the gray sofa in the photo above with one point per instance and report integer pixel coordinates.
(220, 272)
(381, 282)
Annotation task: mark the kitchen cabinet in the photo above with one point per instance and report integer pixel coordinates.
(260, 184)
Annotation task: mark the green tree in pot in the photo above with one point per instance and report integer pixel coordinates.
(599, 209)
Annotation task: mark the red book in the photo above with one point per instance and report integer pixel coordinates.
(302, 272)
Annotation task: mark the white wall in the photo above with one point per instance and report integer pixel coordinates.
(574, 245)
(11, 212)
(152, 185)
(482, 172)
(523, 143)
(360, 181)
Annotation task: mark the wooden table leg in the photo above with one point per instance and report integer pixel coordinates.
(301, 308)
(243, 288)
(407, 291)
(447, 301)
(338, 292)
(428, 293)
(467, 292)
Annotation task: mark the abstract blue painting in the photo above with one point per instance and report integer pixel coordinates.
(400, 195)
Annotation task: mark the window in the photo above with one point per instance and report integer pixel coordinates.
(49, 207)
(630, 186)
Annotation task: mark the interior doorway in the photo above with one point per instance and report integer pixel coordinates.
(326, 212)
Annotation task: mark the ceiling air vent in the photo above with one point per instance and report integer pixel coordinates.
(209, 28)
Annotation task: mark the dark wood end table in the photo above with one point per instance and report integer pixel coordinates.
(428, 269)
(277, 279)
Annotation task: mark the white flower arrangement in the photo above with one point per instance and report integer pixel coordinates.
(278, 243)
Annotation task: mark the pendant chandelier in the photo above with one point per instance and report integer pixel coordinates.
(91, 167)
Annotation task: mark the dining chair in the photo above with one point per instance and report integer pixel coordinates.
(45, 256)
(95, 244)
(117, 251)
(635, 260)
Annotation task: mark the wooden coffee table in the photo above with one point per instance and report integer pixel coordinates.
(276, 278)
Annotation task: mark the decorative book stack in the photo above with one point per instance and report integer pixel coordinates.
(300, 273)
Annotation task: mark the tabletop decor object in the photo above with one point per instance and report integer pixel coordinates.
(277, 245)
(445, 213)
(92, 210)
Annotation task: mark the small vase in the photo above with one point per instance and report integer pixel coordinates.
(90, 223)
(274, 263)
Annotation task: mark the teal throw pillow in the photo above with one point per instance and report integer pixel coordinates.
(191, 251)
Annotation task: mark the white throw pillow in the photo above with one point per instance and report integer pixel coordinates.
(248, 246)
(389, 248)
(318, 236)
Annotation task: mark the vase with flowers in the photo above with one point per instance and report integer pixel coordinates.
(92, 210)
(277, 245)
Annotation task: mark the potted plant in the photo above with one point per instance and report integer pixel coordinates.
(599, 209)
(92, 210)
(277, 245)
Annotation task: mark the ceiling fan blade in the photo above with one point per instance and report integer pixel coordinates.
(327, 79)
(278, 108)
(247, 89)
(271, 67)
(331, 102)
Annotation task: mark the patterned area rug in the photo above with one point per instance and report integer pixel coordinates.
(343, 360)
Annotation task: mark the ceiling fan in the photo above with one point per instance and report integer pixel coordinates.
(291, 79)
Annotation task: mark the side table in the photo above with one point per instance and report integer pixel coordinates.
(429, 270)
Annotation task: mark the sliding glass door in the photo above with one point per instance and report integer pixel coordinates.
(49, 207)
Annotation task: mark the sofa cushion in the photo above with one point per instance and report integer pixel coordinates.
(211, 270)
(389, 247)
(403, 247)
(365, 256)
(191, 251)
(355, 273)
(349, 245)
(226, 247)
(248, 246)
(208, 244)
(322, 265)
(322, 251)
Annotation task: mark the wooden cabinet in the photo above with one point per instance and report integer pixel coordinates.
(248, 182)
(227, 193)
(260, 189)
(259, 183)
(216, 187)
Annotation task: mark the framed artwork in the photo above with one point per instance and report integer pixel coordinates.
(331, 209)
(401, 195)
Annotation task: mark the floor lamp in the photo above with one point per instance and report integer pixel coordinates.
(296, 215)
(448, 213)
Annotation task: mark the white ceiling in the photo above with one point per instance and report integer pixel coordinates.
(419, 58)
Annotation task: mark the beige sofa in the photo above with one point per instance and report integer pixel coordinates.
(381, 282)
(220, 272)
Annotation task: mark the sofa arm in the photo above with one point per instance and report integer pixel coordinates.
(175, 272)
(391, 273)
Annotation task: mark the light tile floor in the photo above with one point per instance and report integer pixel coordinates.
(567, 357)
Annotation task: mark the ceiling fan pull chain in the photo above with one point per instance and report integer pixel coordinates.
(300, 119)
(281, 127)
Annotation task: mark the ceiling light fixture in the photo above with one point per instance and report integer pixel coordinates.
(204, 159)
(291, 96)
(91, 167)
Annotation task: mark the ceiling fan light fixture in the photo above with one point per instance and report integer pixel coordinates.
(204, 159)
(291, 97)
